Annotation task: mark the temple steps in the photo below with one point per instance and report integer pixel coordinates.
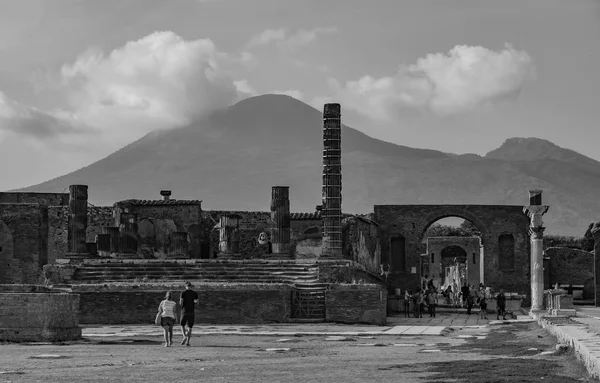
(204, 270)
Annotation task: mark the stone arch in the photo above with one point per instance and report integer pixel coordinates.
(6, 254)
(506, 251)
(447, 212)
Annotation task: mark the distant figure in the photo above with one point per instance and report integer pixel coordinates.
(407, 299)
(482, 307)
(501, 303)
(168, 317)
(187, 302)
(418, 301)
(464, 291)
(431, 302)
(470, 302)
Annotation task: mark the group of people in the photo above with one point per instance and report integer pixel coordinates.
(468, 296)
(169, 314)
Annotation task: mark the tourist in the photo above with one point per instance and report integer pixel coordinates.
(501, 304)
(470, 302)
(431, 302)
(168, 317)
(187, 302)
(418, 301)
(464, 291)
(482, 307)
(407, 299)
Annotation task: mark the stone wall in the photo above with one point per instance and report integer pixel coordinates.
(28, 316)
(252, 224)
(570, 266)
(219, 303)
(409, 223)
(23, 223)
(360, 241)
(356, 304)
(47, 199)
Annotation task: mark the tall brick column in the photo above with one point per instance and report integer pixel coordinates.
(596, 233)
(179, 244)
(78, 202)
(128, 235)
(331, 212)
(229, 235)
(113, 234)
(103, 245)
(535, 211)
(280, 219)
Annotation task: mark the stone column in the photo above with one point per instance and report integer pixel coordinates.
(113, 233)
(128, 235)
(179, 244)
(536, 234)
(103, 245)
(596, 233)
(229, 234)
(78, 201)
(331, 212)
(280, 219)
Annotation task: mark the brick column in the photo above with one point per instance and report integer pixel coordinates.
(78, 201)
(535, 211)
(229, 235)
(113, 233)
(179, 244)
(332, 181)
(103, 245)
(596, 233)
(128, 235)
(280, 219)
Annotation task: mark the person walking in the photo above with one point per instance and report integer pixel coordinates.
(470, 302)
(501, 304)
(431, 302)
(168, 314)
(187, 302)
(482, 307)
(464, 291)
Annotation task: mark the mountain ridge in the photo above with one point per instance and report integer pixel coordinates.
(231, 158)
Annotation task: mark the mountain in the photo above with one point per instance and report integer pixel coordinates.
(231, 159)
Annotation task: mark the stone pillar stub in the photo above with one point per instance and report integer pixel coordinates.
(536, 234)
(535, 197)
(179, 245)
(128, 235)
(596, 233)
(103, 245)
(113, 233)
(77, 221)
(280, 219)
(229, 235)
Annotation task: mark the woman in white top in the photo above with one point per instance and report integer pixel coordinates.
(168, 311)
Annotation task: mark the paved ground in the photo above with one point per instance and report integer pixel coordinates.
(515, 351)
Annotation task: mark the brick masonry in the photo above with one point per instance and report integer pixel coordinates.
(218, 303)
(38, 316)
(570, 267)
(411, 221)
(356, 304)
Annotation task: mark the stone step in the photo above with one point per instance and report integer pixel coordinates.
(278, 270)
(202, 272)
(178, 277)
(198, 264)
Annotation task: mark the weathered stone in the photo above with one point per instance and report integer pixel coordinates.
(128, 235)
(229, 234)
(78, 207)
(535, 211)
(595, 230)
(103, 245)
(332, 181)
(180, 244)
(280, 217)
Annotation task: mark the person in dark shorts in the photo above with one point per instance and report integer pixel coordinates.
(187, 302)
(501, 304)
(168, 313)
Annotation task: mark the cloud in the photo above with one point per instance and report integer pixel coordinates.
(291, 92)
(159, 81)
(286, 41)
(31, 122)
(466, 78)
(245, 89)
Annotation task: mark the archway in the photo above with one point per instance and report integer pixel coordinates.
(6, 254)
(453, 253)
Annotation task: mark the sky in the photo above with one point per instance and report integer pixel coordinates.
(80, 79)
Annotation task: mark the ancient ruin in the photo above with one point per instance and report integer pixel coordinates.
(277, 265)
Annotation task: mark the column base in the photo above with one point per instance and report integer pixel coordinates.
(126, 256)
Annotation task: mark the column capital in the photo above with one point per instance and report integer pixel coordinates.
(537, 232)
(535, 213)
